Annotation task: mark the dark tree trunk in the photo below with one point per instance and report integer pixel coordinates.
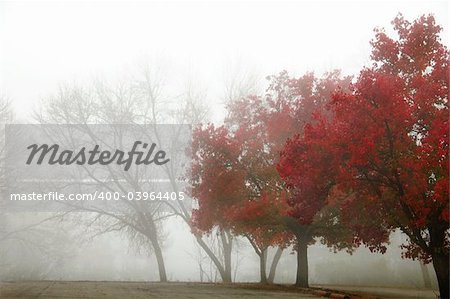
(441, 265)
(303, 235)
(440, 256)
(227, 248)
(262, 265)
(273, 266)
(302, 263)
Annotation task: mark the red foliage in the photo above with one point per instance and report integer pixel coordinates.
(216, 180)
(384, 146)
(235, 179)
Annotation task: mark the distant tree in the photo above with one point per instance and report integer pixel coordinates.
(222, 186)
(135, 101)
(31, 245)
(215, 185)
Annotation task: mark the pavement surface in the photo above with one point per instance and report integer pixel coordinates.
(178, 290)
(137, 290)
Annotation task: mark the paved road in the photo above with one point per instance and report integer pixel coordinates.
(385, 292)
(137, 290)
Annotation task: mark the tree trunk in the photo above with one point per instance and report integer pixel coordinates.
(159, 260)
(227, 247)
(212, 256)
(425, 275)
(262, 265)
(262, 254)
(302, 263)
(303, 235)
(273, 266)
(441, 265)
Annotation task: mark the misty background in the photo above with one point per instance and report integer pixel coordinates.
(207, 53)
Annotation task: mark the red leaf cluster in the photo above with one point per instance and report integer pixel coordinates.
(383, 145)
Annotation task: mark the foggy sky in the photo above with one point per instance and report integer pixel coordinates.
(43, 44)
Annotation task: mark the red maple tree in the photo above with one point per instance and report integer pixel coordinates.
(297, 101)
(216, 184)
(236, 181)
(232, 186)
(386, 147)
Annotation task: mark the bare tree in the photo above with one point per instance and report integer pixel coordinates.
(31, 245)
(138, 100)
(241, 80)
(124, 103)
